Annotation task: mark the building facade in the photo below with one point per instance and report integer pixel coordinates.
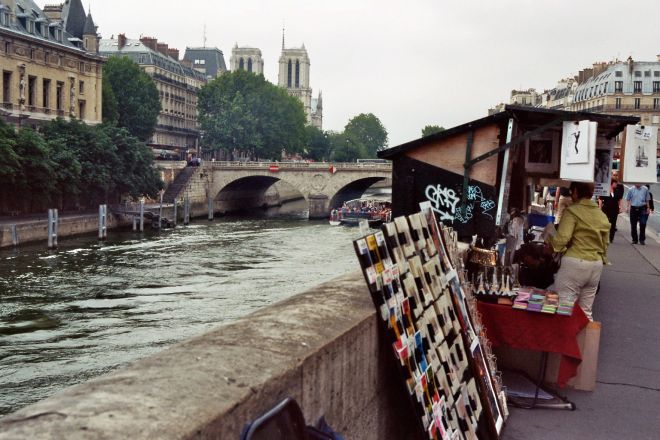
(177, 82)
(246, 58)
(294, 77)
(208, 60)
(49, 62)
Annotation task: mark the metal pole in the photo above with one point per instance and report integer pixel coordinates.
(186, 210)
(52, 228)
(103, 218)
(141, 215)
(504, 183)
(160, 211)
(14, 235)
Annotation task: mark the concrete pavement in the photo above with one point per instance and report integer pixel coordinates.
(627, 397)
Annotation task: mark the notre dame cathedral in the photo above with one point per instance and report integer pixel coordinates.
(293, 76)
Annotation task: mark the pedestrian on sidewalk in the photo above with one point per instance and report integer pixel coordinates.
(611, 206)
(638, 207)
(582, 238)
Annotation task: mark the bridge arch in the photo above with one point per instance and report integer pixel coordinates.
(353, 190)
(255, 192)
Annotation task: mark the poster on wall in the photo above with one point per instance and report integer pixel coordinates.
(575, 143)
(640, 154)
(603, 167)
(573, 149)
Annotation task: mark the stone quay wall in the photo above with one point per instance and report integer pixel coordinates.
(321, 347)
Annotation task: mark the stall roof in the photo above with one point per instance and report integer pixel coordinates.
(526, 116)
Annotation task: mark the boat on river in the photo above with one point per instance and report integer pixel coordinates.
(374, 211)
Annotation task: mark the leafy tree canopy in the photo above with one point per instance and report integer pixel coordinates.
(345, 148)
(431, 129)
(242, 111)
(137, 98)
(317, 144)
(368, 131)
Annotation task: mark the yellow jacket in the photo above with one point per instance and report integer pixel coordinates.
(584, 232)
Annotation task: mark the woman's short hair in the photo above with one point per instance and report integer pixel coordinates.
(585, 190)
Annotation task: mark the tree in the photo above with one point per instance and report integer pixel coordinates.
(242, 111)
(110, 109)
(367, 130)
(37, 170)
(346, 149)
(317, 143)
(10, 165)
(138, 101)
(431, 129)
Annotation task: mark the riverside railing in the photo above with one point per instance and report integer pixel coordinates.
(299, 165)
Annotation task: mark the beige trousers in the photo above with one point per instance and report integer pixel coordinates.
(578, 280)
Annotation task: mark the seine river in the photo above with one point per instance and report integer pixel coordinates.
(88, 308)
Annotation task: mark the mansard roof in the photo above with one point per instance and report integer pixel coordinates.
(213, 57)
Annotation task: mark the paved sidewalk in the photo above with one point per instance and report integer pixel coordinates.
(626, 401)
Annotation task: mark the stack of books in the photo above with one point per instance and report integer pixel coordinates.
(524, 293)
(551, 302)
(565, 308)
(535, 303)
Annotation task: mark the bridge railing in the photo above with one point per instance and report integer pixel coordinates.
(300, 165)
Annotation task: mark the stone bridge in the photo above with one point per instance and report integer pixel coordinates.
(243, 185)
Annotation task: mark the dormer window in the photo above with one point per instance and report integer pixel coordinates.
(4, 16)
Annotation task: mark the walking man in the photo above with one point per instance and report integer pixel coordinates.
(638, 206)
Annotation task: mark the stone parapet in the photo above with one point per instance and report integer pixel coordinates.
(321, 347)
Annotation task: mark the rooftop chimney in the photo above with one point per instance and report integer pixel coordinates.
(187, 63)
(151, 43)
(174, 53)
(53, 12)
(162, 48)
(121, 40)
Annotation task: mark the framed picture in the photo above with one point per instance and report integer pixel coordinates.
(639, 164)
(542, 154)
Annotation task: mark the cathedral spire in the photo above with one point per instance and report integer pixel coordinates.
(282, 37)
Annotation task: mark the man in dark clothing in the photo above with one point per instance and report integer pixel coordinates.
(611, 206)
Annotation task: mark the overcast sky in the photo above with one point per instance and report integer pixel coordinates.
(411, 63)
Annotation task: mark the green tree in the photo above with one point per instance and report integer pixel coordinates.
(138, 101)
(10, 166)
(431, 129)
(243, 111)
(37, 170)
(368, 131)
(110, 109)
(346, 149)
(317, 144)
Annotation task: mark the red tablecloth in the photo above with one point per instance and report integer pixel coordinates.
(536, 331)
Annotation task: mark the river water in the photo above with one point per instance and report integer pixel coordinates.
(88, 307)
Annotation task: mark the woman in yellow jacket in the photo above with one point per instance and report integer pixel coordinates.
(582, 237)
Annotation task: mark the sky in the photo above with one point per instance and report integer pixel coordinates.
(412, 63)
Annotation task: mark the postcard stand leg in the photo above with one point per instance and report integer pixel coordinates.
(557, 402)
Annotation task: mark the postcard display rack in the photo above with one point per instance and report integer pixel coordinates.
(417, 284)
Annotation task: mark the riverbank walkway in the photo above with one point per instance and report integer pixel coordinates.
(627, 397)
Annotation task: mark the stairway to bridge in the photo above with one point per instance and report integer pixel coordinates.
(178, 185)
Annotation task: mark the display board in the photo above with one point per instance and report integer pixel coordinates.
(640, 154)
(414, 277)
(603, 167)
(578, 151)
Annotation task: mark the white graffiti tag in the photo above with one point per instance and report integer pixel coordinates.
(443, 201)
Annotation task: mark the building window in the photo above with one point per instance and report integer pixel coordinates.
(59, 96)
(637, 103)
(638, 74)
(46, 93)
(656, 86)
(6, 87)
(7, 47)
(249, 63)
(81, 66)
(81, 109)
(297, 73)
(656, 73)
(32, 53)
(32, 91)
(288, 75)
(617, 103)
(618, 86)
(656, 103)
(647, 73)
(81, 87)
(241, 64)
(637, 87)
(618, 74)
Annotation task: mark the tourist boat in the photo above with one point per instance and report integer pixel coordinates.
(374, 211)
